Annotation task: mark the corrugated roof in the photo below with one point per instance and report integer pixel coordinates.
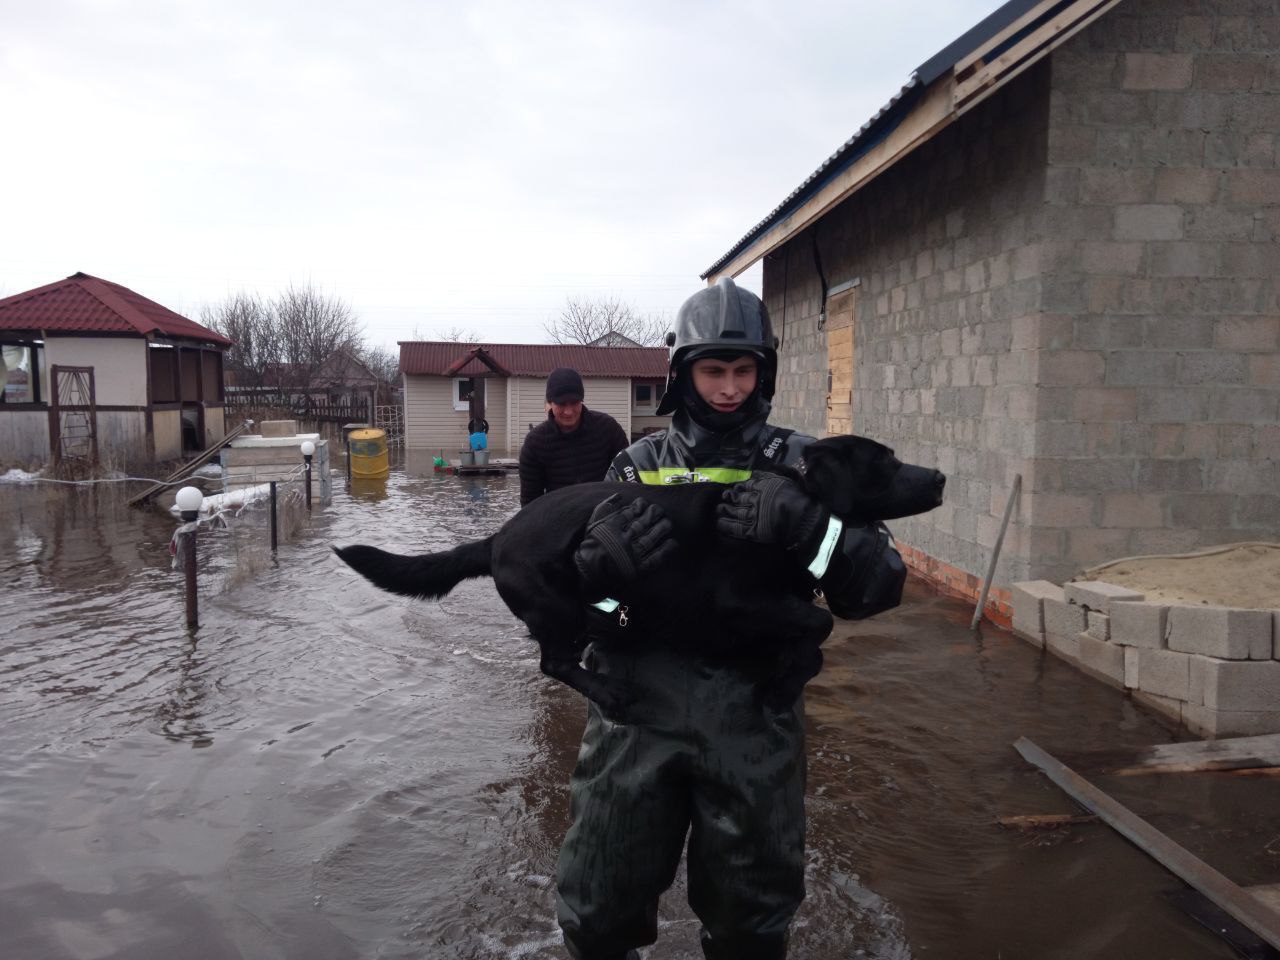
(433, 357)
(85, 304)
(883, 121)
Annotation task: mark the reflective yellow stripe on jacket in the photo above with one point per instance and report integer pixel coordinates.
(669, 475)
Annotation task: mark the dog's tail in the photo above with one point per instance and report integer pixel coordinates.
(428, 575)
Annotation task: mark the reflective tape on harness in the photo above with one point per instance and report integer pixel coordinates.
(607, 605)
(673, 475)
(828, 547)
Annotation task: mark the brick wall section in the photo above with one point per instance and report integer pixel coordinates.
(945, 245)
(1075, 282)
(1159, 408)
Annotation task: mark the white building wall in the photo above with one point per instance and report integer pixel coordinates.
(119, 366)
(432, 425)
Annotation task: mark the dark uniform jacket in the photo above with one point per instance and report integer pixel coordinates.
(866, 572)
(551, 459)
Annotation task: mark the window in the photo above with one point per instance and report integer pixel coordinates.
(20, 374)
(463, 388)
(646, 396)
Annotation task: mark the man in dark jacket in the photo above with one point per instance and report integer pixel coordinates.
(704, 757)
(574, 445)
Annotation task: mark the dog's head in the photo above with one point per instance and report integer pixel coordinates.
(860, 480)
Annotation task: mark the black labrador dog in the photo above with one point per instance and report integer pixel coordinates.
(731, 598)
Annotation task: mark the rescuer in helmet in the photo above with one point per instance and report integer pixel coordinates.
(702, 756)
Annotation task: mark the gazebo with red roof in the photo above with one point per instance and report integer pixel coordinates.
(92, 368)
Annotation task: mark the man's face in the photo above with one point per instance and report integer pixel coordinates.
(567, 413)
(725, 384)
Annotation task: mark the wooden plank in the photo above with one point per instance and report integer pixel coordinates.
(1268, 893)
(994, 75)
(1038, 38)
(1248, 909)
(187, 468)
(1237, 753)
(1045, 821)
(1030, 17)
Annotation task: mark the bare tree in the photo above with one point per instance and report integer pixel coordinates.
(383, 364)
(450, 335)
(245, 319)
(286, 342)
(315, 330)
(587, 320)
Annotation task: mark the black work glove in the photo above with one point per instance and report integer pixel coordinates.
(621, 545)
(773, 510)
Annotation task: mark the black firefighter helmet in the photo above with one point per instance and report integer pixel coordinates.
(724, 319)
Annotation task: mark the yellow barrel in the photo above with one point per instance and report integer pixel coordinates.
(368, 454)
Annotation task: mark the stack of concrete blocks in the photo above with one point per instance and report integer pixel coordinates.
(1214, 669)
(276, 454)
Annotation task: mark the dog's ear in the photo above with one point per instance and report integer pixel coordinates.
(827, 478)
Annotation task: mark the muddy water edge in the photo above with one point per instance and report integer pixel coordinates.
(324, 771)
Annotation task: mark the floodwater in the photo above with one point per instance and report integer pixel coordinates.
(325, 771)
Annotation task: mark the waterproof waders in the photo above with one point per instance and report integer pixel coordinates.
(699, 756)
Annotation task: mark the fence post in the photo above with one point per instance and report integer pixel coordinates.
(188, 501)
(273, 516)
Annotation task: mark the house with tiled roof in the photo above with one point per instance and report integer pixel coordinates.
(92, 370)
(447, 385)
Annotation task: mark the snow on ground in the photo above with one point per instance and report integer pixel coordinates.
(19, 476)
(231, 501)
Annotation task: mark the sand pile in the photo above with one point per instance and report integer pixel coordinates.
(1235, 575)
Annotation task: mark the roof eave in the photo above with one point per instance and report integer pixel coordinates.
(945, 87)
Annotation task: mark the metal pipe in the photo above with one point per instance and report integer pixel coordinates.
(995, 553)
(274, 536)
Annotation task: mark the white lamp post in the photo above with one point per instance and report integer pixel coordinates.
(308, 451)
(188, 501)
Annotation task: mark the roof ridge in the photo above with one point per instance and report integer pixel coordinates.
(112, 301)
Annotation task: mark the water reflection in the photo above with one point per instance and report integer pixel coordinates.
(367, 488)
(386, 777)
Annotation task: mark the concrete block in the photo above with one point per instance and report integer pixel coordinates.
(1131, 665)
(1225, 632)
(1028, 614)
(278, 428)
(1157, 71)
(1148, 221)
(1248, 685)
(1170, 707)
(1063, 646)
(1035, 639)
(1162, 672)
(1063, 619)
(1099, 626)
(1138, 625)
(1097, 595)
(1208, 722)
(1101, 660)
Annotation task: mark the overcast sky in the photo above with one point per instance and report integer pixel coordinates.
(433, 164)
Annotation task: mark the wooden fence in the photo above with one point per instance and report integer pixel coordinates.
(311, 405)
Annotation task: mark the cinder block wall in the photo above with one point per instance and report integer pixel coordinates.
(1159, 405)
(946, 246)
(1076, 281)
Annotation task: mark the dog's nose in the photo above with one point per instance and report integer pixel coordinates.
(939, 481)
